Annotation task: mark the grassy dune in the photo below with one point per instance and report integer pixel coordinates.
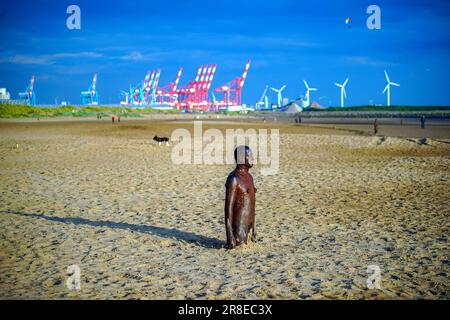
(21, 111)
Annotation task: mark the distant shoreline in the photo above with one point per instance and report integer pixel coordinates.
(375, 114)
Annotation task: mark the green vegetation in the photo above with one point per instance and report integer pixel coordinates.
(230, 113)
(21, 111)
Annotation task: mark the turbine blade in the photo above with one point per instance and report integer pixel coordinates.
(282, 88)
(306, 84)
(387, 77)
(385, 88)
(274, 89)
(345, 82)
(345, 93)
(395, 84)
(337, 84)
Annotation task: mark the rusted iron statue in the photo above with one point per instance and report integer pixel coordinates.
(240, 200)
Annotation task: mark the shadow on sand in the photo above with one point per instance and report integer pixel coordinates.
(184, 236)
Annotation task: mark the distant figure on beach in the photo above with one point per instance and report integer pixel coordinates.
(118, 119)
(240, 200)
(375, 127)
(112, 119)
(422, 122)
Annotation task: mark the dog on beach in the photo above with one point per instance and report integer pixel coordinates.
(161, 139)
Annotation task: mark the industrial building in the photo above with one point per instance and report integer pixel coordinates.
(4, 95)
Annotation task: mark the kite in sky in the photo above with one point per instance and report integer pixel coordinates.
(347, 21)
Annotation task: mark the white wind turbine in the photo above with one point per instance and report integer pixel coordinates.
(388, 88)
(343, 93)
(308, 90)
(280, 98)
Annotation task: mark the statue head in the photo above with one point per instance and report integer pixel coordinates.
(243, 156)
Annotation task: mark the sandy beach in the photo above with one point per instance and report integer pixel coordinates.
(107, 198)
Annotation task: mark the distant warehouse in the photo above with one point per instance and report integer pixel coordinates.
(4, 95)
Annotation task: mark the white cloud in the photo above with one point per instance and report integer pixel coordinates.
(24, 59)
(85, 54)
(46, 58)
(133, 56)
(367, 61)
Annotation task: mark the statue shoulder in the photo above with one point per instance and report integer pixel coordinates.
(231, 179)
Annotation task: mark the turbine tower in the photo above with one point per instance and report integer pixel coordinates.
(278, 91)
(308, 90)
(343, 93)
(388, 88)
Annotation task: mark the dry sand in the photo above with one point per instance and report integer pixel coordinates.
(107, 198)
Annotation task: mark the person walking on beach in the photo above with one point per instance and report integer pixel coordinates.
(422, 122)
(375, 127)
(240, 200)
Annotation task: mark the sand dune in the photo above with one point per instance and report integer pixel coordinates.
(107, 198)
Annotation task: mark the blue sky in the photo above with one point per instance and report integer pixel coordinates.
(287, 41)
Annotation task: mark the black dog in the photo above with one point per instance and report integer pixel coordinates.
(161, 139)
